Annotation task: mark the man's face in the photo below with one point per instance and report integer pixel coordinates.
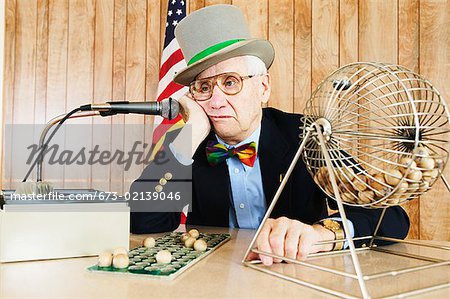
(235, 117)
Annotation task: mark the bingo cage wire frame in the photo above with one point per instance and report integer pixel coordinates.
(374, 135)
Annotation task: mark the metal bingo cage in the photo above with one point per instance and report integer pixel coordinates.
(374, 135)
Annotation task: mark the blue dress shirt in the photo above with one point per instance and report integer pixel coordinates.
(248, 203)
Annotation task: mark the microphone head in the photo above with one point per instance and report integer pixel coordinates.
(169, 108)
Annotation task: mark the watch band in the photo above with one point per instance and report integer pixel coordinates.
(336, 228)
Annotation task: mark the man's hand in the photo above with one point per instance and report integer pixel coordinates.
(194, 114)
(196, 129)
(292, 239)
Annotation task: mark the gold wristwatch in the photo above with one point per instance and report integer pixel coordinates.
(336, 228)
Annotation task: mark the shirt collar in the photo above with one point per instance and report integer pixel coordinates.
(254, 137)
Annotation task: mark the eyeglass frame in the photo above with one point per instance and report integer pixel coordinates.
(214, 82)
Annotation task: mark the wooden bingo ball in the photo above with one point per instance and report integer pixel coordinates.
(184, 237)
(405, 161)
(120, 250)
(426, 163)
(360, 182)
(393, 177)
(105, 259)
(415, 175)
(149, 242)
(194, 233)
(121, 261)
(163, 257)
(189, 242)
(200, 245)
(366, 197)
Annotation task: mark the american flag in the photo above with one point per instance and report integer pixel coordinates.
(172, 61)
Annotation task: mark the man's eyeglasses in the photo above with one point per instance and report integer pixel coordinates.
(229, 83)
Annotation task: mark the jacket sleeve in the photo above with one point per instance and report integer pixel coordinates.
(395, 223)
(152, 222)
(160, 216)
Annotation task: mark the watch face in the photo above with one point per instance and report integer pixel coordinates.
(331, 224)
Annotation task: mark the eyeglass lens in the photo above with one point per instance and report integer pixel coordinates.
(229, 83)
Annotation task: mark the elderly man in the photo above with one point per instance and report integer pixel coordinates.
(248, 148)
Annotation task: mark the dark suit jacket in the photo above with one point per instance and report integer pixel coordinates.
(301, 198)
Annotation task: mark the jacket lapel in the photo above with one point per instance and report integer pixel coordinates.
(212, 187)
(273, 149)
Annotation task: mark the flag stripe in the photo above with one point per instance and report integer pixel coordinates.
(163, 128)
(169, 90)
(169, 75)
(176, 57)
(167, 51)
(172, 61)
(162, 131)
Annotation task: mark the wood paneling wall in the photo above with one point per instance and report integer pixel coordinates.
(60, 54)
(2, 69)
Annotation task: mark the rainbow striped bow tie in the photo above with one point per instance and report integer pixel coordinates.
(217, 153)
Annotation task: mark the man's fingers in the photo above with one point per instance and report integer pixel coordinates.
(288, 238)
(263, 242)
(252, 256)
(191, 108)
(307, 245)
(292, 239)
(278, 235)
(304, 247)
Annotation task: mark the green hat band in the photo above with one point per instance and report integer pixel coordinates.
(212, 49)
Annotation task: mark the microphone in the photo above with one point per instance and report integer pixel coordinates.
(167, 108)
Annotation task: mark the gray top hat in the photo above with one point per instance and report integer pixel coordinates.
(214, 34)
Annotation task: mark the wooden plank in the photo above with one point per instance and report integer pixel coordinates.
(103, 57)
(153, 49)
(377, 39)
(325, 39)
(435, 66)
(8, 87)
(281, 24)
(256, 15)
(163, 21)
(118, 91)
(408, 56)
(80, 82)
(348, 36)
(408, 34)
(215, 2)
(324, 43)
(24, 78)
(155, 22)
(25, 63)
(58, 27)
(135, 81)
(2, 69)
(103, 54)
(57, 57)
(302, 54)
(40, 96)
(378, 31)
(348, 31)
(195, 5)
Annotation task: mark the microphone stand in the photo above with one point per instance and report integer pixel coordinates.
(102, 110)
(47, 128)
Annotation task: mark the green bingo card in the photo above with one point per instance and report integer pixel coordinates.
(143, 260)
